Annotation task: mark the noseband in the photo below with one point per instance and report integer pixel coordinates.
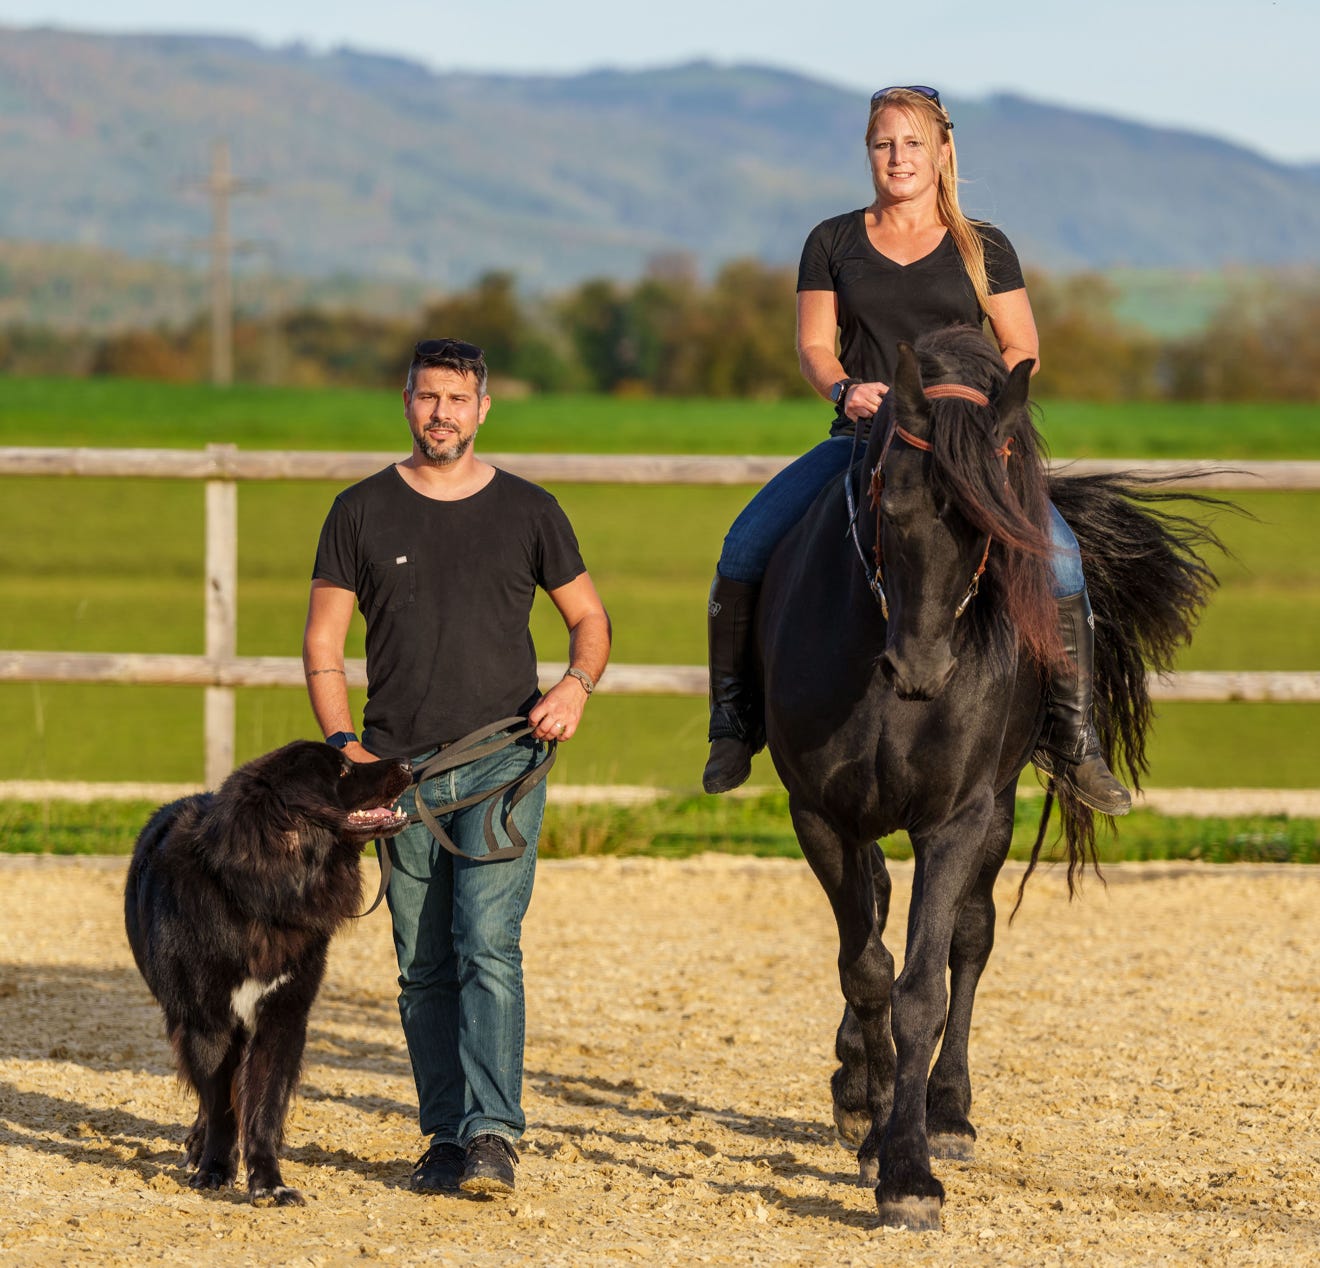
(875, 580)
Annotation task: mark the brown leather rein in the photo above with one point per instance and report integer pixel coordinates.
(938, 391)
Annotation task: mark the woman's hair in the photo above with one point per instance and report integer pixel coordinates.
(933, 126)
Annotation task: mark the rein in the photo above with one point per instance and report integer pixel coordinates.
(875, 579)
(470, 748)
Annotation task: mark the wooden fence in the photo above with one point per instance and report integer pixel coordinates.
(221, 670)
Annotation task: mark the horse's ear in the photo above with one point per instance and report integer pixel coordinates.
(1013, 397)
(913, 409)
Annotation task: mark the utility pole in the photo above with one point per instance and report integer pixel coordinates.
(222, 186)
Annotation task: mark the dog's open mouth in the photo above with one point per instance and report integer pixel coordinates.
(378, 820)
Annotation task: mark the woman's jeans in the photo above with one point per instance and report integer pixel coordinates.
(765, 520)
(457, 930)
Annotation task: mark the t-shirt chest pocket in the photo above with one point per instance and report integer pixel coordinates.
(393, 582)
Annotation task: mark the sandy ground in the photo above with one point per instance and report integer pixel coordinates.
(1146, 1066)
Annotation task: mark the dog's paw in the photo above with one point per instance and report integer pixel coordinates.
(212, 1177)
(280, 1195)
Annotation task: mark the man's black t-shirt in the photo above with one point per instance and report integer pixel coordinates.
(882, 303)
(446, 589)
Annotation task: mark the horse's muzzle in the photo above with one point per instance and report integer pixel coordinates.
(917, 681)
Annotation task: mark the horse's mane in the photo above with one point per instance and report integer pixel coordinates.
(967, 474)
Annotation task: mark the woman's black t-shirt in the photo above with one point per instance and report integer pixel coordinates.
(446, 589)
(882, 303)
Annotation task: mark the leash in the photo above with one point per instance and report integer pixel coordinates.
(477, 744)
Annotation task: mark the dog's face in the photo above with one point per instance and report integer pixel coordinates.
(307, 791)
(367, 791)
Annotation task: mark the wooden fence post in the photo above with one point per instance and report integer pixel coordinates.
(221, 615)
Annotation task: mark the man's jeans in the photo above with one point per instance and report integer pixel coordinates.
(457, 929)
(786, 499)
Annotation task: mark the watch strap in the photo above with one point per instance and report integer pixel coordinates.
(840, 389)
(341, 739)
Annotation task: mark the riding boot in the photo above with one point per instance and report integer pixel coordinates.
(737, 730)
(1069, 748)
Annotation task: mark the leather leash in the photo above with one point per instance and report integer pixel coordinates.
(470, 748)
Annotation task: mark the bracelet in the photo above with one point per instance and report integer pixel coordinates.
(588, 684)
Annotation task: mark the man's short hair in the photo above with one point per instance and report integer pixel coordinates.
(448, 354)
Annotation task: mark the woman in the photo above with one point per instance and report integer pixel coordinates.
(908, 263)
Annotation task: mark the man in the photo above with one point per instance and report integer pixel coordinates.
(443, 554)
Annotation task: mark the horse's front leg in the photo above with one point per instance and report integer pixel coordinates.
(858, 894)
(949, 1094)
(860, 1111)
(908, 1195)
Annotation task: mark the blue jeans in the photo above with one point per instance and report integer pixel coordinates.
(765, 520)
(457, 930)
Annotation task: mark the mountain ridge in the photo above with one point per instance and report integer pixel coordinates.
(375, 165)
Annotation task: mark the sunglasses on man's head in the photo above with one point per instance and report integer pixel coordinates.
(448, 348)
(931, 93)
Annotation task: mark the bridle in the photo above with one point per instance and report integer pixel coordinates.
(875, 579)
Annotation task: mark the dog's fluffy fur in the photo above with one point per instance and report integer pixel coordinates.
(231, 900)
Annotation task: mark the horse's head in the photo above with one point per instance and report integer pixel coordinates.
(939, 487)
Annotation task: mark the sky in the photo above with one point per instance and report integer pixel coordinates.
(1241, 70)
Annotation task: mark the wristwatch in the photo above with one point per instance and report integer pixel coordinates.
(341, 739)
(840, 390)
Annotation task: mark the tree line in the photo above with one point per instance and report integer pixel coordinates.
(671, 334)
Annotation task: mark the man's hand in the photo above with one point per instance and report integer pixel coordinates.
(555, 716)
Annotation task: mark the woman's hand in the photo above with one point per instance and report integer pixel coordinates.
(862, 400)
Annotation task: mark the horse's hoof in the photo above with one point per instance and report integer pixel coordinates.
(853, 1127)
(917, 1215)
(952, 1146)
(868, 1172)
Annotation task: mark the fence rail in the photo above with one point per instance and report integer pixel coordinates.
(225, 462)
(155, 669)
(221, 670)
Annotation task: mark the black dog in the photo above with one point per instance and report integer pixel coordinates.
(231, 901)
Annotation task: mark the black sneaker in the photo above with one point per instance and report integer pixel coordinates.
(490, 1163)
(439, 1169)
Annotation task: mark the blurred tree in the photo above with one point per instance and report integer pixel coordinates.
(1086, 353)
(749, 347)
(516, 338)
(318, 346)
(149, 354)
(1257, 347)
(595, 318)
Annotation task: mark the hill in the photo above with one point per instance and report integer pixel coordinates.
(379, 167)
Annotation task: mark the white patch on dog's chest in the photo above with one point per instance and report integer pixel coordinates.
(245, 998)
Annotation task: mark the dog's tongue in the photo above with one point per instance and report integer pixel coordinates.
(368, 818)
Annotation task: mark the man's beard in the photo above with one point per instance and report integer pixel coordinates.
(443, 455)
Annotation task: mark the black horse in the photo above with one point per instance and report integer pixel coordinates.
(896, 696)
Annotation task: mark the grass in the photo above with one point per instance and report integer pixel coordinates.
(679, 827)
(122, 413)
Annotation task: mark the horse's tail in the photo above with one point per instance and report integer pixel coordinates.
(1149, 581)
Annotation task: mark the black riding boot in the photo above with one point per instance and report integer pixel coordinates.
(736, 728)
(1069, 748)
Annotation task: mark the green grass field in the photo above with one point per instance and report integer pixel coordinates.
(124, 413)
(678, 827)
(116, 565)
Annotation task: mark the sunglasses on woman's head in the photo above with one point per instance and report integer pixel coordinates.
(930, 93)
(448, 348)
